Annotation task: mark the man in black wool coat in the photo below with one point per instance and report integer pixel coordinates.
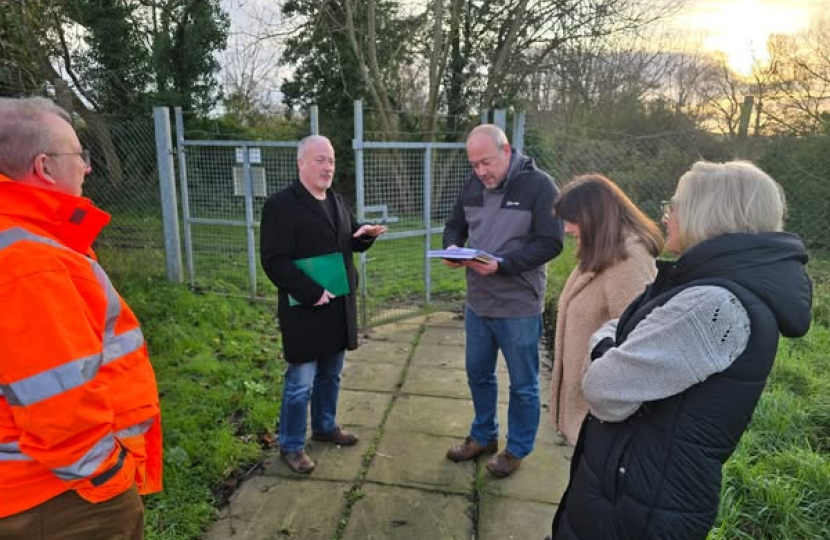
(310, 221)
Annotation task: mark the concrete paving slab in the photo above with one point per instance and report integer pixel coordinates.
(547, 434)
(333, 462)
(431, 354)
(408, 514)
(542, 477)
(446, 319)
(401, 331)
(359, 408)
(507, 519)
(443, 335)
(417, 460)
(431, 415)
(426, 380)
(431, 380)
(372, 376)
(410, 489)
(266, 508)
(389, 352)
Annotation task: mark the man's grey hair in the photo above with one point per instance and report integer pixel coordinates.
(311, 139)
(23, 133)
(491, 130)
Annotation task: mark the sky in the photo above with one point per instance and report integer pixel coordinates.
(738, 28)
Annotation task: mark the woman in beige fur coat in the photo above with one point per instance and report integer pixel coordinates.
(616, 247)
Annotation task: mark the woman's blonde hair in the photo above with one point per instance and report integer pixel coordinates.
(733, 197)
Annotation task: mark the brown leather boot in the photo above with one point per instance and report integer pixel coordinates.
(298, 461)
(339, 437)
(503, 464)
(470, 450)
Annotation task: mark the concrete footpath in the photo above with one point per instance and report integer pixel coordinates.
(404, 392)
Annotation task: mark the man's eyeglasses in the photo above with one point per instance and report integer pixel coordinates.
(667, 206)
(84, 154)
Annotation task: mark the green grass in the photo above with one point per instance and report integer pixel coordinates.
(777, 484)
(217, 362)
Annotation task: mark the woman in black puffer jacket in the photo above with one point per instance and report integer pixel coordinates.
(674, 382)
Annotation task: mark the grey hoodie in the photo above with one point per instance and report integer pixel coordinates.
(515, 222)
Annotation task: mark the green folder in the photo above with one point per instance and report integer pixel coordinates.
(328, 271)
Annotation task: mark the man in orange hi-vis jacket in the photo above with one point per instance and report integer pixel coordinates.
(80, 433)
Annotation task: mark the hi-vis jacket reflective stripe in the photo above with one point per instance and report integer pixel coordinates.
(79, 405)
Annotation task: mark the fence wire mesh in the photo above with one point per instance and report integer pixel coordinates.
(647, 168)
(398, 280)
(124, 181)
(218, 254)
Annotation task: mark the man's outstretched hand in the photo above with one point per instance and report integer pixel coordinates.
(370, 230)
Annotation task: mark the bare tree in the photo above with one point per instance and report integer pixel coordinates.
(802, 68)
(729, 91)
(250, 74)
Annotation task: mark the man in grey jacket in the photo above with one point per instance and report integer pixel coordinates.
(504, 208)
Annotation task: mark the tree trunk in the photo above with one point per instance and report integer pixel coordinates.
(498, 66)
(437, 59)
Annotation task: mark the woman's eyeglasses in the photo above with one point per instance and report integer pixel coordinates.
(84, 155)
(667, 206)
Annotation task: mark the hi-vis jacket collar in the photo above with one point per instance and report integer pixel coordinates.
(73, 221)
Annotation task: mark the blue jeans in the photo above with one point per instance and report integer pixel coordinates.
(518, 339)
(318, 381)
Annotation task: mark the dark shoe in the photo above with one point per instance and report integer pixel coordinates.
(503, 464)
(470, 450)
(339, 437)
(298, 461)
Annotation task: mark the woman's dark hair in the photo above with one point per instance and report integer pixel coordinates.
(605, 217)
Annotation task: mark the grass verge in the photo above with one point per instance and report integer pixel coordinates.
(217, 362)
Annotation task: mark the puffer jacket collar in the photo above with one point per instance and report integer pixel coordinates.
(770, 264)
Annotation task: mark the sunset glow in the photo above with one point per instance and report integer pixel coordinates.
(740, 28)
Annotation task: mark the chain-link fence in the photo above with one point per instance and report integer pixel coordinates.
(124, 182)
(397, 279)
(647, 168)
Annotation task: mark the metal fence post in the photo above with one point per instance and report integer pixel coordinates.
(249, 216)
(167, 185)
(188, 239)
(500, 118)
(519, 131)
(314, 120)
(427, 224)
(360, 193)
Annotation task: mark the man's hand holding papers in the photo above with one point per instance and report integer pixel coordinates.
(479, 261)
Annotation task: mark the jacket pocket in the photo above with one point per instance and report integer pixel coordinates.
(616, 466)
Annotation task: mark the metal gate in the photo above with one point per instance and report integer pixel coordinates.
(409, 186)
(223, 185)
